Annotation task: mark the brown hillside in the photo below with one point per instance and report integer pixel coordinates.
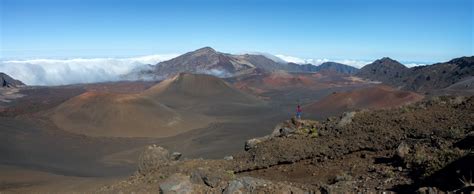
(123, 115)
(377, 97)
(185, 90)
(171, 107)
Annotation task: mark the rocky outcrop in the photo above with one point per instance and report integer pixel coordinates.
(254, 185)
(286, 129)
(7, 82)
(178, 183)
(155, 157)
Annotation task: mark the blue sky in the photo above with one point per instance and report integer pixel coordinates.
(407, 30)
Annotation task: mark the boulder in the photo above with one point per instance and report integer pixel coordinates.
(234, 187)
(153, 158)
(176, 156)
(212, 181)
(210, 177)
(197, 177)
(346, 119)
(252, 143)
(402, 150)
(244, 185)
(255, 185)
(286, 131)
(177, 183)
(283, 129)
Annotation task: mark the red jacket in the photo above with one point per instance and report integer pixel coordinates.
(298, 109)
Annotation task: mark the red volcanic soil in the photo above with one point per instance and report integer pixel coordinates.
(120, 87)
(187, 89)
(280, 80)
(39, 98)
(377, 97)
(171, 107)
(291, 88)
(36, 99)
(122, 115)
(283, 79)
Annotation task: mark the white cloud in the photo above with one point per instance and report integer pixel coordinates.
(319, 61)
(354, 63)
(78, 70)
(291, 59)
(216, 72)
(414, 64)
(267, 55)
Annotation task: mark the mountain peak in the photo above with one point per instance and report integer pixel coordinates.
(382, 70)
(386, 60)
(206, 49)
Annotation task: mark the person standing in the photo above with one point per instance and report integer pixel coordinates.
(298, 112)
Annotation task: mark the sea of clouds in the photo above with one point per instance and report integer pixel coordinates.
(51, 72)
(76, 70)
(355, 63)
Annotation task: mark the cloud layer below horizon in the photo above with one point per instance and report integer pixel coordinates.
(355, 63)
(52, 72)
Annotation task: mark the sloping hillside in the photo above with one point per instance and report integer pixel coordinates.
(184, 102)
(122, 115)
(377, 97)
(187, 90)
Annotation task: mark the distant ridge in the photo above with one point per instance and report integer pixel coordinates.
(206, 60)
(421, 78)
(337, 67)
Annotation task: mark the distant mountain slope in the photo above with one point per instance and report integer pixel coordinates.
(7, 81)
(337, 67)
(385, 70)
(209, 61)
(204, 60)
(326, 66)
(421, 78)
(440, 75)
